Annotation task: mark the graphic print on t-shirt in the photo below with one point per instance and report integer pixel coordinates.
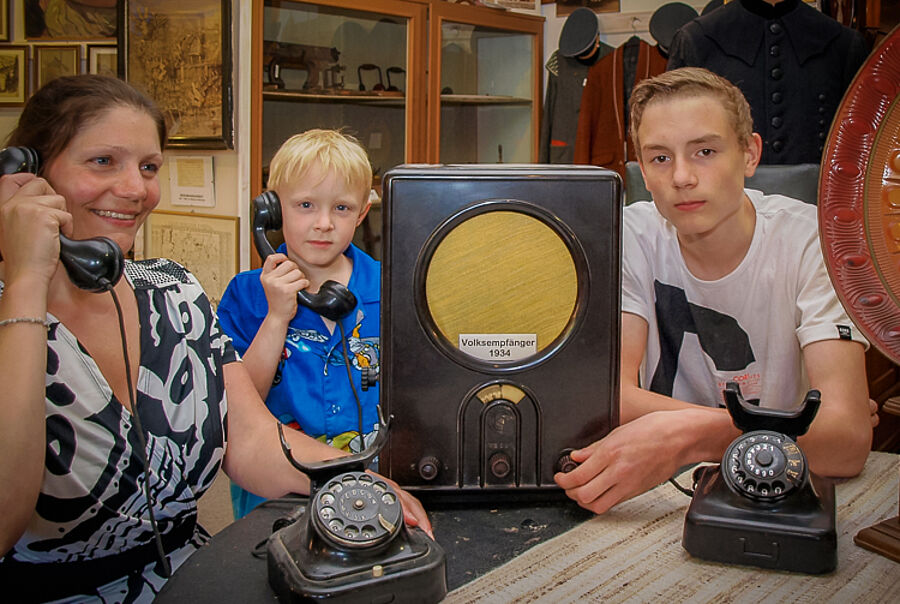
(720, 336)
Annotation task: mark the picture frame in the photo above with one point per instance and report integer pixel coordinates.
(179, 54)
(5, 21)
(53, 61)
(520, 6)
(102, 59)
(566, 7)
(206, 244)
(87, 21)
(14, 81)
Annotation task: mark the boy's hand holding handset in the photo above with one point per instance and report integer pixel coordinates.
(281, 279)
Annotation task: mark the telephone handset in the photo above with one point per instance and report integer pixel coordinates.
(350, 543)
(761, 506)
(333, 300)
(92, 264)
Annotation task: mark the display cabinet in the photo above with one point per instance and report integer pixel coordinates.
(340, 64)
(413, 80)
(484, 86)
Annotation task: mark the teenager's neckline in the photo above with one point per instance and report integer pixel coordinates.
(711, 259)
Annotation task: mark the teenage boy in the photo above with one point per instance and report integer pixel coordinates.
(295, 356)
(719, 283)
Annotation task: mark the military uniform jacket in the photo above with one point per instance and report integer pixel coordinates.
(792, 63)
(602, 135)
(562, 105)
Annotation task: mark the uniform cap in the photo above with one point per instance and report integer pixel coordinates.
(579, 33)
(668, 19)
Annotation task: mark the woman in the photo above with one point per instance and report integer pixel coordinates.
(78, 520)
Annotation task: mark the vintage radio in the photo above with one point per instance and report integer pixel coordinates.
(500, 324)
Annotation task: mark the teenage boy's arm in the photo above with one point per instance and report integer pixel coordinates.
(281, 280)
(840, 436)
(836, 368)
(658, 436)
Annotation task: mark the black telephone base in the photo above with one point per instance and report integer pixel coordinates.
(301, 569)
(796, 533)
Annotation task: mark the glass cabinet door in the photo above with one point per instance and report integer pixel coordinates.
(344, 64)
(485, 78)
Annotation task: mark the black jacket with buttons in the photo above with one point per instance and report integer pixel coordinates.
(792, 63)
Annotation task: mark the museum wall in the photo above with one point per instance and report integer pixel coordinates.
(232, 166)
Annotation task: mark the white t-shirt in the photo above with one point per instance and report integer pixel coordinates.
(749, 326)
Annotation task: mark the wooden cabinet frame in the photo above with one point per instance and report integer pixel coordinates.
(415, 11)
(441, 12)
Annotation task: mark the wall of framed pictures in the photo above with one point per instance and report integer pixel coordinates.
(36, 46)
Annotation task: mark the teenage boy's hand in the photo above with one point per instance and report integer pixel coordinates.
(637, 456)
(281, 279)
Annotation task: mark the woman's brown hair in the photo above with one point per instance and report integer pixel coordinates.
(62, 107)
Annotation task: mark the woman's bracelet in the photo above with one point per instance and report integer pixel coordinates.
(35, 320)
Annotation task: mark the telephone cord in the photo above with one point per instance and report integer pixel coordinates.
(167, 569)
(362, 443)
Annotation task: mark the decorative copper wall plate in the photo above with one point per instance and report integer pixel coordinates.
(859, 199)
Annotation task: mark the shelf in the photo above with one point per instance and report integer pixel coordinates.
(350, 97)
(482, 99)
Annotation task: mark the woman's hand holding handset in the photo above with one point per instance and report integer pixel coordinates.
(31, 218)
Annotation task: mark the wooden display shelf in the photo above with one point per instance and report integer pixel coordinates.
(482, 99)
(326, 97)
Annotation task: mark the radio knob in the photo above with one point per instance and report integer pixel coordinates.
(565, 463)
(428, 467)
(500, 465)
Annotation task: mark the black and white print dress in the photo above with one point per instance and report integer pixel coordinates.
(92, 502)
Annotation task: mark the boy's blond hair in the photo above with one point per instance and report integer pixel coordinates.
(690, 81)
(333, 150)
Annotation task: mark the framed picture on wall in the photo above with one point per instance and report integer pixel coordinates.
(179, 54)
(565, 7)
(13, 75)
(205, 243)
(5, 20)
(51, 62)
(522, 6)
(102, 60)
(69, 20)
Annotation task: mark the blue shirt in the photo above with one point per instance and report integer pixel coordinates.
(311, 386)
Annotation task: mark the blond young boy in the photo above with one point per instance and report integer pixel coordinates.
(294, 356)
(719, 283)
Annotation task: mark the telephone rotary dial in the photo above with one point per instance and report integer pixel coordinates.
(764, 465)
(356, 510)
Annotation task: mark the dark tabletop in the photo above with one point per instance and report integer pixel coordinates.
(475, 537)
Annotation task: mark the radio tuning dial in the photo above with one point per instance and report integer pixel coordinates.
(429, 467)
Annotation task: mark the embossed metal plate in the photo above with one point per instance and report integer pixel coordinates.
(859, 199)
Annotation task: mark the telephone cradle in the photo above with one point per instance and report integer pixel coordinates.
(762, 506)
(350, 543)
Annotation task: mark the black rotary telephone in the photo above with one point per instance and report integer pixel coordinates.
(761, 506)
(351, 544)
(333, 301)
(92, 264)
